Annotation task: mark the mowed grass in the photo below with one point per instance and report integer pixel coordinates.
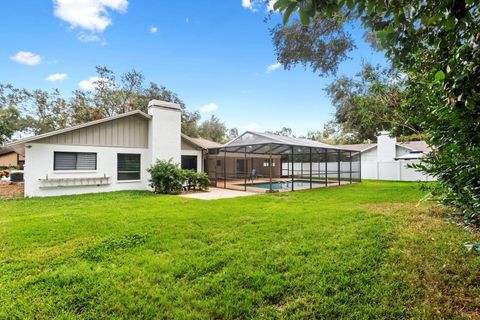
(362, 251)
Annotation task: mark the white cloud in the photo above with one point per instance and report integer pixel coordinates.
(209, 107)
(273, 67)
(153, 29)
(92, 15)
(90, 84)
(254, 5)
(248, 4)
(270, 5)
(253, 126)
(57, 77)
(26, 57)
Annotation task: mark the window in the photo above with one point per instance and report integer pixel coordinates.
(128, 166)
(266, 163)
(189, 163)
(74, 161)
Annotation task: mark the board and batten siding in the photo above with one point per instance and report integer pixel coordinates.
(129, 132)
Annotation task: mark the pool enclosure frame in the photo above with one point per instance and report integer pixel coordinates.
(280, 161)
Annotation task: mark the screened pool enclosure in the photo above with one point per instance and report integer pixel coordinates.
(267, 162)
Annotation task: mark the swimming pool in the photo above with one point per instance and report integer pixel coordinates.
(280, 185)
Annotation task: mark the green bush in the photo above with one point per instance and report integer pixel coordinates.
(166, 177)
(202, 181)
(197, 180)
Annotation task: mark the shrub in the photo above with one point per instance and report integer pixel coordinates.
(202, 181)
(166, 177)
(197, 180)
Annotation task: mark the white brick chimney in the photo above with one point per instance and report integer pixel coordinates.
(165, 130)
(386, 146)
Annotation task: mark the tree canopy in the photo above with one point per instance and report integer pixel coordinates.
(40, 111)
(370, 102)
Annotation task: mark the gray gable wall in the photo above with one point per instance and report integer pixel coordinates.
(129, 132)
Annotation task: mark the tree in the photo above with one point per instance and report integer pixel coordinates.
(232, 134)
(50, 112)
(322, 45)
(40, 111)
(190, 123)
(213, 129)
(370, 102)
(10, 117)
(436, 44)
(331, 134)
(285, 132)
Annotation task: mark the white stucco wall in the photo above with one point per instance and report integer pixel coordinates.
(165, 130)
(370, 155)
(386, 147)
(39, 165)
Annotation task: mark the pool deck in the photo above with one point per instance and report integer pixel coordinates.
(217, 193)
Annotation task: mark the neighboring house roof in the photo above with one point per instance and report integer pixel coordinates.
(83, 125)
(411, 145)
(249, 138)
(417, 145)
(5, 150)
(201, 142)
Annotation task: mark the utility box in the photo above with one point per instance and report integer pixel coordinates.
(16, 176)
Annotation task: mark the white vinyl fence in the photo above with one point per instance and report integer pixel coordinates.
(392, 170)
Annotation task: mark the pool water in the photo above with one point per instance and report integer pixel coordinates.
(280, 185)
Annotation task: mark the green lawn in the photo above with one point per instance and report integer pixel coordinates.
(362, 251)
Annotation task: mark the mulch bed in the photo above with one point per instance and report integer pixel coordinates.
(11, 190)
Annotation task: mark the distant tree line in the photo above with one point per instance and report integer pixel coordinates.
(39, 111)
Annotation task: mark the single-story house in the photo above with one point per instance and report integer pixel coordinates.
(388, 149)
(390, 160)
(10, 158)
(110, 154)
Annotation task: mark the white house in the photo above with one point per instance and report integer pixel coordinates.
(388, 159)
(110, 154)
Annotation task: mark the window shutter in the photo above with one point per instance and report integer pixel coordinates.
(75, 161)
(86, 161)
(128, 166)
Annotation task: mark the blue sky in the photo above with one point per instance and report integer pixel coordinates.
(211, 53)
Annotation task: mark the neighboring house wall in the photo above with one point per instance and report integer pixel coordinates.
(385, 167)
(400, 151)
(10, 159)
(385, 147)
(42, 168)
(370, 155)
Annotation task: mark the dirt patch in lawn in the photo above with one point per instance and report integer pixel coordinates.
(11, 190)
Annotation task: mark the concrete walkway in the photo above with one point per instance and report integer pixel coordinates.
(217, 193)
